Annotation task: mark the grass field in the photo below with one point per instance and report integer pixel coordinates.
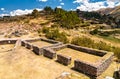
(110, 38)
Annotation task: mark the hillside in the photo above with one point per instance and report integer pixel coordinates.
(114, 12)
(110, 10)
(61, 25)
(86, 29)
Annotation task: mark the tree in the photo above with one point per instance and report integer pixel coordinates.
(66, 19)
(35, 13)
(48, 10)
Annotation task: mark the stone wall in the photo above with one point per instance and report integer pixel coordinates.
(59, 47)
(94, 69)
(65, 60)
(36, 49)
(49, 53)
(28, 46)
(87, 50)
(85, 67)
(23, 43)
(49, 40)
(8, 41)
(18, 43)
(79, 48)
(33, 40)
(55, 43)
(104, 63)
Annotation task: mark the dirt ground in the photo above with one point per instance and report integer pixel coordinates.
(41, 43)
(24, 64)
(6, 47)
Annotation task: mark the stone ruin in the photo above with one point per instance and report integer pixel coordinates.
(93, 69)
(65, 60)
(8, 41)
(49, 53)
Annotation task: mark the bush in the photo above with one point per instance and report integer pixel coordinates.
(56, 35)
(116, 51)
(62, 38)
(55, 25)
(87, 42)
(45, 29)
(53, 34)
(95, 31)
(102, 46)
(39, 30)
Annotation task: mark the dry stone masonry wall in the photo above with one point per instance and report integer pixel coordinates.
(93, 69)
(28, 46)
(87, 50)
(8, 41)
(49, 53)
(85, 67)
(36, 50)
(65, 60)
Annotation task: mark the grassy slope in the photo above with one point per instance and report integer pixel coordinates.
(110, 38)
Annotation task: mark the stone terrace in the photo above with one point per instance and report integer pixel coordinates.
(76, 54)
(96, 68)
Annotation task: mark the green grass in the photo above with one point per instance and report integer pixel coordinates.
(110, 38)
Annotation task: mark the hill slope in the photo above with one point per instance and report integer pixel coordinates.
(115, 12)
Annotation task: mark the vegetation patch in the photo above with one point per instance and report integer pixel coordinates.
(87, 42)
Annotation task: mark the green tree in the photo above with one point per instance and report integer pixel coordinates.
(66, 19)
(48, 10)
(35, 13)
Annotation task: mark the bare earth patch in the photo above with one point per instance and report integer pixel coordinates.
(24, 64)
(6, 47)
(41, 43)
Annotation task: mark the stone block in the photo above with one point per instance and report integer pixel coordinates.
(35, 49)
(65, 60)
(85, 68)
(28, 46)
(23, 43)
(49, 53)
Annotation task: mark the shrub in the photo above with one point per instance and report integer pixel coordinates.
(95, 31)
(45, 29)
(102, 46)
(53, 34)
(56, 35)
(87, 42)
(55, 25)
(39, 30)
(116, 51)
(62, 38)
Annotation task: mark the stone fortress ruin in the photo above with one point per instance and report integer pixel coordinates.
(86, 60)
